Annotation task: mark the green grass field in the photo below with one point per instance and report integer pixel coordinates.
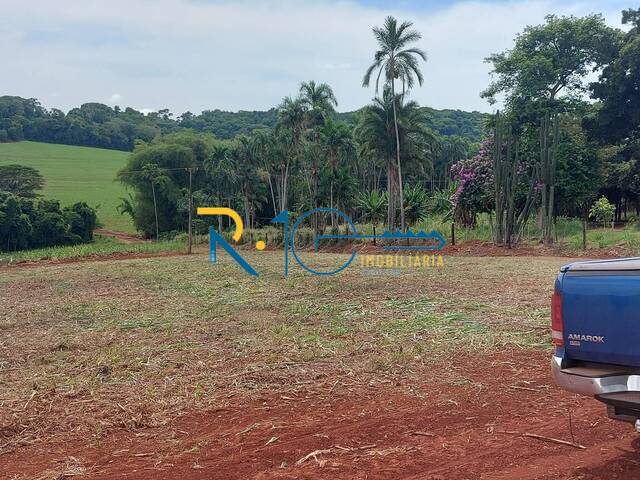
(100, 246)
(76, 174)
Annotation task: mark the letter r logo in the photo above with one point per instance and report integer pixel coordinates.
(215, 238)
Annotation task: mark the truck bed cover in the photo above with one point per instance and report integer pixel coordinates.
(615, 265)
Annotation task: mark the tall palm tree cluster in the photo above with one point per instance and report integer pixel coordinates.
(312, 159)
(306, 161)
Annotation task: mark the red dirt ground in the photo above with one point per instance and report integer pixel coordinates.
(91, 258)
(433, 430)
(465, 426)
(121, 236)
(477, 248)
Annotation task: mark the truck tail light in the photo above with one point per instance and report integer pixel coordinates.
(557, 325)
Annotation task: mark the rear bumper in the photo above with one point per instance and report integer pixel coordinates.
(592, 383)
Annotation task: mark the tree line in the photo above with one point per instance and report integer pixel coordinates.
(559, 143)
(551, 151)
(310, 158)
(102, 126)
(91, 125)
(307, 160)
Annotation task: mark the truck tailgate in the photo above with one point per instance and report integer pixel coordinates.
(601, 311)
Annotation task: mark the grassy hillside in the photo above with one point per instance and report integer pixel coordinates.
(76, 174)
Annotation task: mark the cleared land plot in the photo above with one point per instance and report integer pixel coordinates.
(170, 367)
(76, 174)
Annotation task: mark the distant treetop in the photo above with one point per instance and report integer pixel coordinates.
(98, 125)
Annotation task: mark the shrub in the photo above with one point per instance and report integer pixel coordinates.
(26, 223)
(474, 186)
(416, 204)
(602, 211)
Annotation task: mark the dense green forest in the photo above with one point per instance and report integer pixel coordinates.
(566, 144)
(91, 125)
(227, 125)
(98, 125)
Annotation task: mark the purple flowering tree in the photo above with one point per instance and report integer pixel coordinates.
(474, 186)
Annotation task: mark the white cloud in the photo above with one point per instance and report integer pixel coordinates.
(114, 98)
(197, 54)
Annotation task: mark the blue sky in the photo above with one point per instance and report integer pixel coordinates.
(206, 54)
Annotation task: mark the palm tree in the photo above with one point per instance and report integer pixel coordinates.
(287, 145)
(441, 204)
(372, 204)
(128, 206)
(369, 165)
(398, 63)
(283, 152)
(238, 177)
(242, 160)
(291, 115)
(337, 143)
(376, 135)
(416, 200)
(262, 143)
(318, 100)
(220, 168)
(417, 142)
(344, 187)
(311, 154)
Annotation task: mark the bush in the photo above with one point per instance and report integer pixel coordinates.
(26, 223)
(474, 186)
(49, 228)
(416, 204)
(602, 211)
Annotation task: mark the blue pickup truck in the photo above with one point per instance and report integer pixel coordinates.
(595, 328)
